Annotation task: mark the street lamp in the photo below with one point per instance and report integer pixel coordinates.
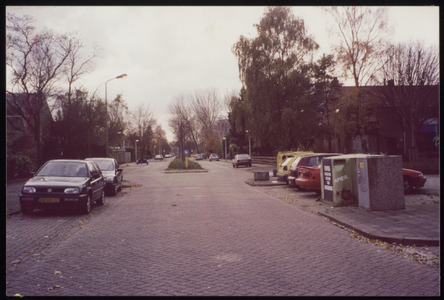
(249, 144)
(106, 108)
(225, 148)
(136, 150)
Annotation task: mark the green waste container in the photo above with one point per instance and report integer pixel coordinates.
(372, 181)
(339, 179)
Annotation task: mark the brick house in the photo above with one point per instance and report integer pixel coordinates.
(385, 132)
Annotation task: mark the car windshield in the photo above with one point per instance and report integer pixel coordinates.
(105, 165)
(64, 169)
(295, 163)
(243, 156)
(285, 161)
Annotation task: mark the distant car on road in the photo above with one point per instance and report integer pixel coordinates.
(64, 183)
(112, 173)
(241, 160)
(198, 156)
(142, 161)
(214, 156)
(158, 157)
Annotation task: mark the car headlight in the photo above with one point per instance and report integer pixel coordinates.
(109, 179)
(421, 175)
(28, 189)
(72, 191)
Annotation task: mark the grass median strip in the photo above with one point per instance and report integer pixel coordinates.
(178, 164)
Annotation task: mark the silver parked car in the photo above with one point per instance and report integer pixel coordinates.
(214, 156)
(241, 160)
(111, 172)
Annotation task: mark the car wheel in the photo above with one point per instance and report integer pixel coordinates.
(233, 165)
(408, 185)
(101, 201)
(26, 210)
(87, 205)
(237, 166)
(120, 185)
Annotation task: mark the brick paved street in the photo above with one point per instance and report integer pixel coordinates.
(200, 234)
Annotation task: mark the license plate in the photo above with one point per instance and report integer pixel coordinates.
(49, 200)
(245, 161)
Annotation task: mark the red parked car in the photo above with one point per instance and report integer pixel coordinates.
(309, 178)
(307, 160)
(412, 180)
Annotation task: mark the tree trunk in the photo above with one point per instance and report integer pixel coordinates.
(413, 151)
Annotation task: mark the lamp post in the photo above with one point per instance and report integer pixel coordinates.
(225, 148)
(249, 143)
(106, 108)
(136, 150)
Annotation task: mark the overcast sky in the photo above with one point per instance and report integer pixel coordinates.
(167, 51)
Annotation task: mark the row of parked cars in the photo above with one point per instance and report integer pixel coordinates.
(302, 170)
(212, 157)
(145, 160)
(71, 183)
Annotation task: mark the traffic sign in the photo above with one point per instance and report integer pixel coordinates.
(186, 152)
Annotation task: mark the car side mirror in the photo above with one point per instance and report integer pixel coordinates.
(32, 174)
(119, 170)
(96, 175)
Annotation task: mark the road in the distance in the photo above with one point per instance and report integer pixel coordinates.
(212, 234)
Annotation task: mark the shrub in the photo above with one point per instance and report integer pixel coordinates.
(178, 164)
(19, 166)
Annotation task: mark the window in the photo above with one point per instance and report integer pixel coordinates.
(313, 161)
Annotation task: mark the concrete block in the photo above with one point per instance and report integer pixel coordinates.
(385, 182)
(261, 176)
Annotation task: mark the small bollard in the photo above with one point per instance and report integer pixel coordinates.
(261, 176)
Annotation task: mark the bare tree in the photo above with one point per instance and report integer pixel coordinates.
(36, 62)
(141, 118)
(221, 128)
(184, 116)
(409, 86)
(206, 106)
(141, 126)
(227, 97)
(361, 32)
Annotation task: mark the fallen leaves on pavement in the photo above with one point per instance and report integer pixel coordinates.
(410, 252)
